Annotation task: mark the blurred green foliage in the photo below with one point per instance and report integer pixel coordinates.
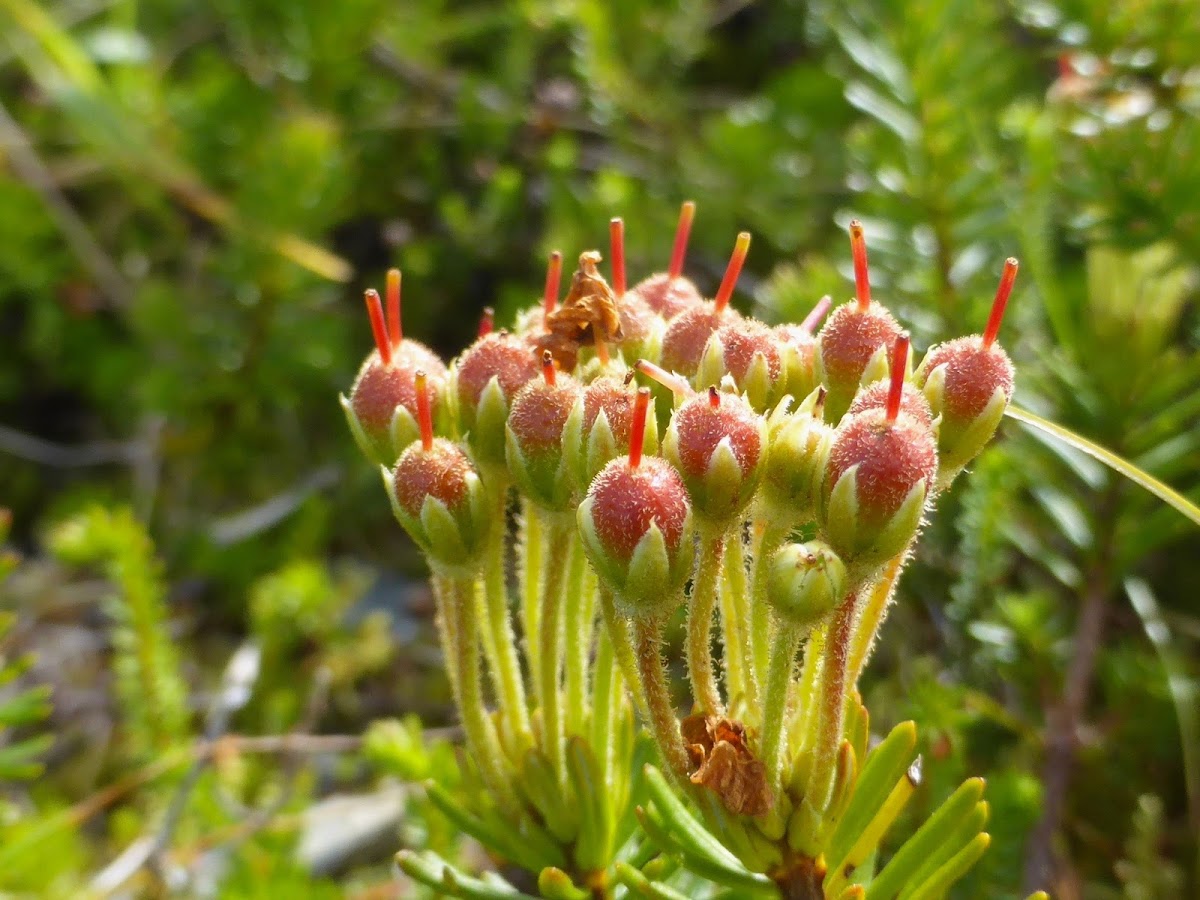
(192, 197)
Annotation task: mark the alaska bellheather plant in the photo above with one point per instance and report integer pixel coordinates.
(769, 786)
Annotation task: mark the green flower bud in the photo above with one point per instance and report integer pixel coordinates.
(795, 469)
(438, 497)
(805, 583)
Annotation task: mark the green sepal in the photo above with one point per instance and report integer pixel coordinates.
(403, 430)
(378, 452)
(485, 425)
(540, 784)
(543, 477)
(959, 444)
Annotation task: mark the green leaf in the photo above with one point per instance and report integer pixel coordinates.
(940, 881)
(529, 851)
(884, 767)
(641, 886)
(929, 839)
(1118, 464)
(434, 872)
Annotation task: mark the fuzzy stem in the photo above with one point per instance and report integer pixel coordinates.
(735, 622)
(606, 688)
(831, 709)
(779, 677)
(506, 667)
(663, 723)
(550, 642)
(447, 633)
(870, 619)
(482, 741)
(699, 621)
(771, 534)
(618, 633)
(529, 552)
(578, 615)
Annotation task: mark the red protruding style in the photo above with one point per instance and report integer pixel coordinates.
(813, 319)
(601, 350)
(378, 325)
(553, 278)
(548, 370)
(637, 434)
(1001, 301)
(858, 249)
(487, 322)
(424, 411)
(714, 397)
(616, 235)
(392, 295)
(740, 248)
(899, 366)
(687, 212)
(676, 384)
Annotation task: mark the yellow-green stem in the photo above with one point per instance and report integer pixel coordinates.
(578, 626)
(550, 642)
(774, 713)
(874, 611)
(482, 741)
(740, 680)
(699, 621)
(768, 535)
(529, 551)
(830, 705)
(446, 628)
(618, 632)
(502, 645)
(653, 677)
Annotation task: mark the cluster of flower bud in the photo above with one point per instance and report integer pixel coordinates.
(832, 427)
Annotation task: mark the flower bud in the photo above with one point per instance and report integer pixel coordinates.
(599, 429)
(798, 347)
(854, 344)
(805, 583)
(969, 382)
(688, 333)
(669, 293)
(534, 437)
(381, 410)
(636, 526)
(438, 497)
(881, 393)
(877, 479)
(486, 378)
(748, 353)
(717, 443)
(795, 469)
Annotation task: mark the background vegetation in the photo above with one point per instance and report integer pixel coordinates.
(192, 197)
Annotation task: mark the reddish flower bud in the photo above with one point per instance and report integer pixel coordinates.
(687, 334)
(636, 525)
(881, 394)
(716, 441)
(602, 429)
(669, 293)
(486, 377)
(534, 437)
(855, 344)
(969, 382)
(748, 352)
(381, 410)
(437, 496)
